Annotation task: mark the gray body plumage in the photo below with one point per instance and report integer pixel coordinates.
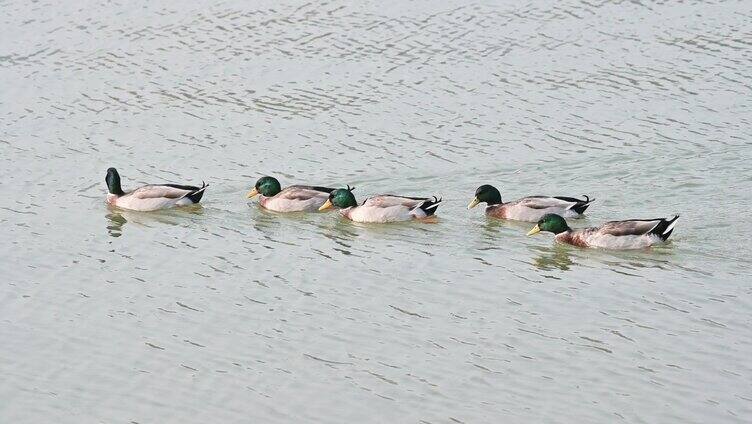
(154, 197)
(533, 208)
(390, 208)
(296, 198)
(629, 234)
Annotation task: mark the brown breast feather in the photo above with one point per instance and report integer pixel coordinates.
(575, 239)
(496, 211)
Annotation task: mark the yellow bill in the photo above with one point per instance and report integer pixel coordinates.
(535, 230)
(252, 193)
(474, 203)
(326, 205)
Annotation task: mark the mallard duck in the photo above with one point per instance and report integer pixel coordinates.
(296, 198)
(529, 209)
(630, 234)
(151, 197)
(381, 208)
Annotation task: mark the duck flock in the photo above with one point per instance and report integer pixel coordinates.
(548, 212)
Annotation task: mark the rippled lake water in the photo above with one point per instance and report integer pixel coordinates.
(226, 313)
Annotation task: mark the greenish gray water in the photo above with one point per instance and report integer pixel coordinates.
(225, 313)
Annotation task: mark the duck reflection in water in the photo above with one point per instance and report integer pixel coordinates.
(495, 228)
(115, 225)
(555, 257)
(276, 226)
(117, 218)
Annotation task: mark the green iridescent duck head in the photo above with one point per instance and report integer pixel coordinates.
(551, 223)
(267, 186)
(486, 194)
(340, 198)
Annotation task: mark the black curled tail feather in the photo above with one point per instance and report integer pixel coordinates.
(581, 205)
(196, 195)
(665, 228)
(429, 206)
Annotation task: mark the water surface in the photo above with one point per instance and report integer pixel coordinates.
(226, 313)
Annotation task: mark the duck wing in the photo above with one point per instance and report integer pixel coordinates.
(301, 192)
(415, 207)
(167, 191)
(389, 200)
(558, 202)
(661, 227)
